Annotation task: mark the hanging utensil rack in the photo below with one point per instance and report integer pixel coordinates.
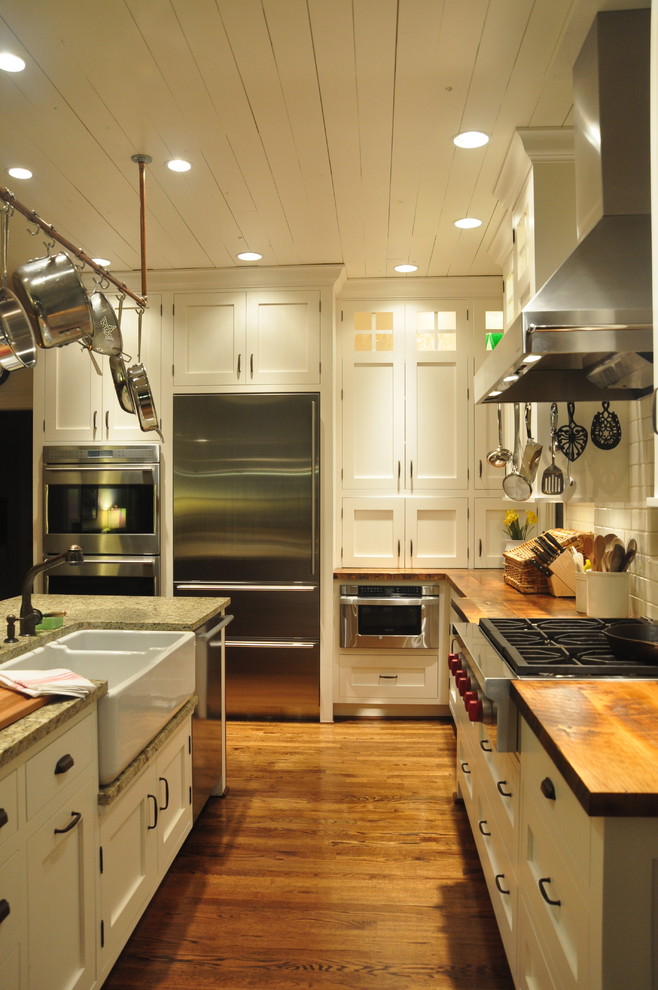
(33, 217)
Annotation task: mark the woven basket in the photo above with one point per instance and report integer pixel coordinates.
(520, 572)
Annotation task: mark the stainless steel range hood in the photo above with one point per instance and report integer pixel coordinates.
(587, 333)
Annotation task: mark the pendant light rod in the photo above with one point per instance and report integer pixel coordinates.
(142, 161)
(33, 217)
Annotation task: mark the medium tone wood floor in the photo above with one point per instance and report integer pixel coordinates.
(338, 860)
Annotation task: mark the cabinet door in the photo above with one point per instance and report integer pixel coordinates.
(61, 896)
(437, 407)
(129, 864)
(373, 397)
(174, 789)
(373, 532)
(73, 398)
(13, 923)
(436, 532)
(209, 338)
(283, 338)
(489, 537)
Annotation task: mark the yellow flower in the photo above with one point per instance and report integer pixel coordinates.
(531, 517)
(510, 517)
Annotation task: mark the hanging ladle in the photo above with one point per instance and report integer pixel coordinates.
(499, 457)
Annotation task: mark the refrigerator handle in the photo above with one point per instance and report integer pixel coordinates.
(207, 636)
(314, 489)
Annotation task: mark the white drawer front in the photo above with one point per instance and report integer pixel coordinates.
(51, 770)
(8, 807)
(390, 679)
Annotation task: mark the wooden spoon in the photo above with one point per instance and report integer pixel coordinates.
(629, 556)
(598, 550)
(588, 543)
(616, 556)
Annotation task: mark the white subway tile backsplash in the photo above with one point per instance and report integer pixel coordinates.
(632, 518)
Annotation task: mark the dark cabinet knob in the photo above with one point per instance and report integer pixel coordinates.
(4, 909)
(4, 817)
(547, 788)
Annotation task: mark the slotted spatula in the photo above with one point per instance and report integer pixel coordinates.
(552, 480)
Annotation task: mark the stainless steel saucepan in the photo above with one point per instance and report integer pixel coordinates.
(17, 343)
(142, 396)
(55, 300)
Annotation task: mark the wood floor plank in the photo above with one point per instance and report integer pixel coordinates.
(338, 861)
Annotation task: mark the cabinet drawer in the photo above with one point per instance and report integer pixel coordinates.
(556, 899)
(499, 873)
(389, 678)
(13, 920)
(562, 813)
(62, 761)
(8, 808)
(532, 968)
(502, 783)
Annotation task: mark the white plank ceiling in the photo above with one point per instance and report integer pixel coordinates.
(319, 131)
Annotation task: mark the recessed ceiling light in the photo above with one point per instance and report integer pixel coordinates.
(406, 268)
(250, 256)
(103, 262)
(20, 173)
(179, 165)
(11, 63)
(466, 223)
(471, 139)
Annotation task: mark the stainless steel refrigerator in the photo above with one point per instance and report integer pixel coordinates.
(246, 525)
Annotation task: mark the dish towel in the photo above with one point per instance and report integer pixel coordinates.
(35, 683)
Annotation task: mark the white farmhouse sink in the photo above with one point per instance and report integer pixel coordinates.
(150, 675)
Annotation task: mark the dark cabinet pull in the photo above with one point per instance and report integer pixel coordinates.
(155, 812)
(549, 900)
(4, 909)
(485, 747)
(465, 768)
(481, 824)
(547, 788)
(75, 818)
(163, 807)
(497, 879)
(4, 817)
(64, 763)
(500, 784)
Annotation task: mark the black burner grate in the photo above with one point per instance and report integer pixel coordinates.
(570, 647)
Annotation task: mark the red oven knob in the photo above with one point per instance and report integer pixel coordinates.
(468, 697)
(464, 684)
(454, 663)
(474, 710)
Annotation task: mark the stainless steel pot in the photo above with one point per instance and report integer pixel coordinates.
(55, 300)
(142, 397)
(120, 379)
(17, 343)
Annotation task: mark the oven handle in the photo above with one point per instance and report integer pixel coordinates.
(426, 600)
(101, 466)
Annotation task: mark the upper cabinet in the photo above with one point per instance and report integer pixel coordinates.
(247, 338)
(405, 407)
(537, 189)
(79, 403)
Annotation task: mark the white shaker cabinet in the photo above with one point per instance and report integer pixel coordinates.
(405, 405)
(80, 405)
(398, 531)
(140, 834)
(247, 338)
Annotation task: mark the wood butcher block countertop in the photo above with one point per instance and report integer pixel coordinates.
(477, 593)
(602, 736)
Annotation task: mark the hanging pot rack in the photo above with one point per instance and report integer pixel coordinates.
(33, 217)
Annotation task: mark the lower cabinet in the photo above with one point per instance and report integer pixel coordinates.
(574, 895)
(388, 677)
(140, 834)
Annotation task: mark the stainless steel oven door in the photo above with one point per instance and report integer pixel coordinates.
(106, 509)
(389, 623)
(106, 576)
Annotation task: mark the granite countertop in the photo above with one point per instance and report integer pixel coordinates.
(91, 612)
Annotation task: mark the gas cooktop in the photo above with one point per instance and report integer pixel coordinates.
(575, 647)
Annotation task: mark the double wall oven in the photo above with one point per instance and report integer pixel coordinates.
(106, 500)
(486, 656)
